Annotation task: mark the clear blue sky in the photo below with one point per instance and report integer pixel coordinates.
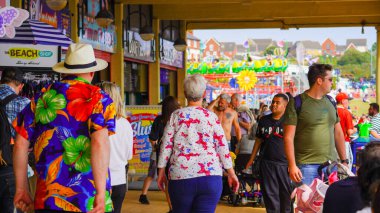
(338, 35)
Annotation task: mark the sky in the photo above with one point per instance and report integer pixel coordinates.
(338, 35)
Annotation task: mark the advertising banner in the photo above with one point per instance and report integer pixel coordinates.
(138, 48)
(100, 38)
(141, 119)
(58, 19)
(169, 55)
(24, 55)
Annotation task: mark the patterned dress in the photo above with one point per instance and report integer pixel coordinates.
(58, 123)
(194, 142)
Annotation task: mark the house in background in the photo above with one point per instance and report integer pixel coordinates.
(329, 47)
(258, 46)
(312, 48)
(340, 49)
(212, 49)
(241, 52)
(228, 49)
(358, 44)
(193, 47)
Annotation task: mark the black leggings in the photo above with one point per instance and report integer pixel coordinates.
(118, 195)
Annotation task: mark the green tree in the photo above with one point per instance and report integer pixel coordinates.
(269, 50)
(353, 56)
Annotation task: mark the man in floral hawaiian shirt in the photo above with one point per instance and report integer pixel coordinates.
(67, 125)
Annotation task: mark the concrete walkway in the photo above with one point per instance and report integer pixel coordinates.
(158, 204)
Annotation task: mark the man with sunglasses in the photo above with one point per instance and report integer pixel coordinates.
(312, 132)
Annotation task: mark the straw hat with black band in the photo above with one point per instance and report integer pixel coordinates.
(80, 58)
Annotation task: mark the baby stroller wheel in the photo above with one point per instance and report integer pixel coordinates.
(237, 199)
(234, 199)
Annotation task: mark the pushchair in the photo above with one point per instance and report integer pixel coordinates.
(249, 188)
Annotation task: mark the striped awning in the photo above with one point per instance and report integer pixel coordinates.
(37, 32)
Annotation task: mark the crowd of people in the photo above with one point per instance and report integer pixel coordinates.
(80, 143)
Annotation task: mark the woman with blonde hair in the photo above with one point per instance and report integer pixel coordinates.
(121, 147)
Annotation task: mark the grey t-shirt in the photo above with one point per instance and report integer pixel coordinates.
(314, 136)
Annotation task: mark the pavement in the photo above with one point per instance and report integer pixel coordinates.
(158, 204)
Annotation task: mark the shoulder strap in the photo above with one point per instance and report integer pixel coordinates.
(331, 99)
(8, 99)
(298, 103)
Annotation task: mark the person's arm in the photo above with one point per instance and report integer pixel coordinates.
(374, 134)
(352, 131)
(339, 142)
(245, 121)
(153, 142)
(129, 141)
(161, 179)
(212, 104)
(100, 157)
(233, 180)
(166, 147)
(294, 172)
(235, 123)
(22, 198)
(255, 149)
(350, 125)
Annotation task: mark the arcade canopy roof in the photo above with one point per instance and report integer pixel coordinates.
(230, 14)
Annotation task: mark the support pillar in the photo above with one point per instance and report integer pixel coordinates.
(117, 58)
(181, 74)
(154, 68)
(378, 65)
(73, 7)
(16, 3)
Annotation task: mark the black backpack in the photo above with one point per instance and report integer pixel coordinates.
(5, 133)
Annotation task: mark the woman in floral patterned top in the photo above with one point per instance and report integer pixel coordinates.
(196, 148)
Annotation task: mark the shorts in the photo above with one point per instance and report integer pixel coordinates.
(152, 171)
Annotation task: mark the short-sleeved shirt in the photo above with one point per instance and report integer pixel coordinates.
(157, 129)
(155, 134)
(375, 123)
(195, 143)
(242, 116)
(271, 132)
(314, 136)
(13, 107)
(58, 124)
(345, 121)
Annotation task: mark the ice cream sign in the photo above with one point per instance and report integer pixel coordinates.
(28, 55)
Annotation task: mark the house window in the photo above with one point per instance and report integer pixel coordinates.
(211, 47)
(214, 53)
(328, 46)
(208, 53)
(190, 41)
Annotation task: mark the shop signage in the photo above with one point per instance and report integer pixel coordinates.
(100, 38)
(58, 19)
(169, 55)
(137, 48)
(23, 55)
(141, 119)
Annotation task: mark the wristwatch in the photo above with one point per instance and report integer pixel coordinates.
(345, 161)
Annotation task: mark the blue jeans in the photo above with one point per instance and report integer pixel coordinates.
(309, 172)
(199, 194)
(7, 190)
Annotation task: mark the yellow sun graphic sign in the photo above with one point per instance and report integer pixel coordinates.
(246, 80)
